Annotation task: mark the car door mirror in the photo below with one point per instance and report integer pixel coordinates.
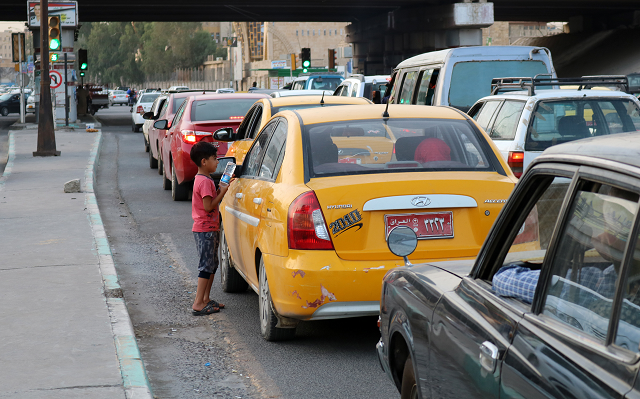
(147, 115)
(162, 124)
(402, 241)
(224, 134)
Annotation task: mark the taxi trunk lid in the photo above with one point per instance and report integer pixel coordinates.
(451, 212)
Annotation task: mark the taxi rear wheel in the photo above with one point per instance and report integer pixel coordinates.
(179, 192)
(230, 279)
(409, 389)
(268, 319)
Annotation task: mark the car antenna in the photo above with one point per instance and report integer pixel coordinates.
(322, 99)
(385, 114)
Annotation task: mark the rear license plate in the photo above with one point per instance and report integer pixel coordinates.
(426, 225)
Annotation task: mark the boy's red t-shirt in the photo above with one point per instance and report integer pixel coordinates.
(204, 221)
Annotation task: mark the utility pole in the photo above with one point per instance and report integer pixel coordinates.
(20, 41)
(46, 133)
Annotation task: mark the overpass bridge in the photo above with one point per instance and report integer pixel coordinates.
(382, 32)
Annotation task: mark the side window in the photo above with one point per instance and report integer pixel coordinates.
(254, 157)
(345, 91)
(516, 275)
(255, 123)
(354, 90)
(628, 332)
(278, 137)
(407, 87)
(588, 259)
(243, 129)
(178, 114)
(423, 88)
(507, 121)
(486, 114)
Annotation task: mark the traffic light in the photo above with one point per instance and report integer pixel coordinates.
(53, 57)
(54, 33)
(82, 60)
(332, 58)
(305, 56)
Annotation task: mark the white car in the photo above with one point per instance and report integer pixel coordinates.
(290, 93)
(31, 104)
(150, 119)
(140, 107)
(178, 88)
(225, 90)
(522, 124)
(118, 97)
(363, 86)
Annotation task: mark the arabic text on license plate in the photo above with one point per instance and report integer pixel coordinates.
(425, 225)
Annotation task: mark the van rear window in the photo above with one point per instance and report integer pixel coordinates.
(471, 80)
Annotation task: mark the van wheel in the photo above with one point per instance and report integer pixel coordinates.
(153, 163)
(230, 279)
(268, 319)
(409, 389)
(179, 192)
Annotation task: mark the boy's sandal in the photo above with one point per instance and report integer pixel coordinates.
(216, 304)
(209, 309)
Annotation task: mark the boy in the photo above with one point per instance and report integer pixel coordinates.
(206, 224)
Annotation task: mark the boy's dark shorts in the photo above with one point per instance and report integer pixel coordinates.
(207, 245)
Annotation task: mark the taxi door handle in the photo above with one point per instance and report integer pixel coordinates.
(257, 201)
(239, 195)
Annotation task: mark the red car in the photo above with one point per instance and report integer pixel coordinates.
(196, 120)
(156, 136)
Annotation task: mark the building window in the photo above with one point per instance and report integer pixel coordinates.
(296, 32)
(335, 32)
(325, 32)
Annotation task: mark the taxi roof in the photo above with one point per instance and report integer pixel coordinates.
(296, 100)
(375, 111)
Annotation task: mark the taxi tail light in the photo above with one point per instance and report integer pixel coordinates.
(516, 162)
(140, 110)
(306, 226)
(193, 136)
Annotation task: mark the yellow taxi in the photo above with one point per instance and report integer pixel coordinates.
(306, 228)
(264, 109)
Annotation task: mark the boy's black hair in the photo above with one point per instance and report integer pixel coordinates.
(202, 150)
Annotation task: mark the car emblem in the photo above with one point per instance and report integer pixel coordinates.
(420, 201)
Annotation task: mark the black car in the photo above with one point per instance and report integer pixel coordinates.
(9, 103)
(550, 308)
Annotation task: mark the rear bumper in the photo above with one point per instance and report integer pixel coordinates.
(318, 285)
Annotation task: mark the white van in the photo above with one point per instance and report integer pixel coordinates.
(459, 77)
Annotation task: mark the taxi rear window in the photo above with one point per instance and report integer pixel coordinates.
(395, 146)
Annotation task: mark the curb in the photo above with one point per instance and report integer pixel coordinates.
(134, 377)
(10, 158)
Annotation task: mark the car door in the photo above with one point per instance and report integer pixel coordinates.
(503, 129)
(472, 326)
(582, 336)
(259, 198)
(243, 223)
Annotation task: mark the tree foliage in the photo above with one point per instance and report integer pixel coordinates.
(121, 52)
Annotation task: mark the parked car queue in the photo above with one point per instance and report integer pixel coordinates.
(294, 236)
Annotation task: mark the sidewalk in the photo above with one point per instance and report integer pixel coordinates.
(64, 328)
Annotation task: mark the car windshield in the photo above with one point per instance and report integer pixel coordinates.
(5, 97)
(149, 98)
(207, 110)
(395, 146)
(556, 122)
(471, 80)
(324, 83)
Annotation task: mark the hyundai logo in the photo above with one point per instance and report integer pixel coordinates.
(420, 201)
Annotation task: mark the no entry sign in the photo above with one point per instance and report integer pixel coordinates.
(56, 79)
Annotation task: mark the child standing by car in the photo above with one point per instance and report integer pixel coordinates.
(206, 224)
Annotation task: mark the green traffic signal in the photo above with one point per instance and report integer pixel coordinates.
(305, 70)
(83, 65)
(306, 64)
(53, 57)
(54, 44)
(81, 73)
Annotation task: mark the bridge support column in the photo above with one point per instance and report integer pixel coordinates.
(380, 43)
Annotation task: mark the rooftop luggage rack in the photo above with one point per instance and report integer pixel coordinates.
(529, 84)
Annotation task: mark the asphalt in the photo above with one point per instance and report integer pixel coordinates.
(65, 329)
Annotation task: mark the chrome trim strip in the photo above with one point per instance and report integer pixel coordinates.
(243, 216)
(339, 310)
(434, 201)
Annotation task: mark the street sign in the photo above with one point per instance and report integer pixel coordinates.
(56, 79)
(17, 47)
(67, 11)
(280, 64)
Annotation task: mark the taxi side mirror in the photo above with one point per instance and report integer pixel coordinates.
(224, 134)
(162, 124)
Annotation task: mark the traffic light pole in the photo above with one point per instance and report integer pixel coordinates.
(46, 134)
(66, 93)
(21, 79)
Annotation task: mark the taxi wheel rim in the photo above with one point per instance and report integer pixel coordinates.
(224, 256)
(264, 300)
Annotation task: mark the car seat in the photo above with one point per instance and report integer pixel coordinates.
(573, 126)
(431, 150)
(353, 131)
